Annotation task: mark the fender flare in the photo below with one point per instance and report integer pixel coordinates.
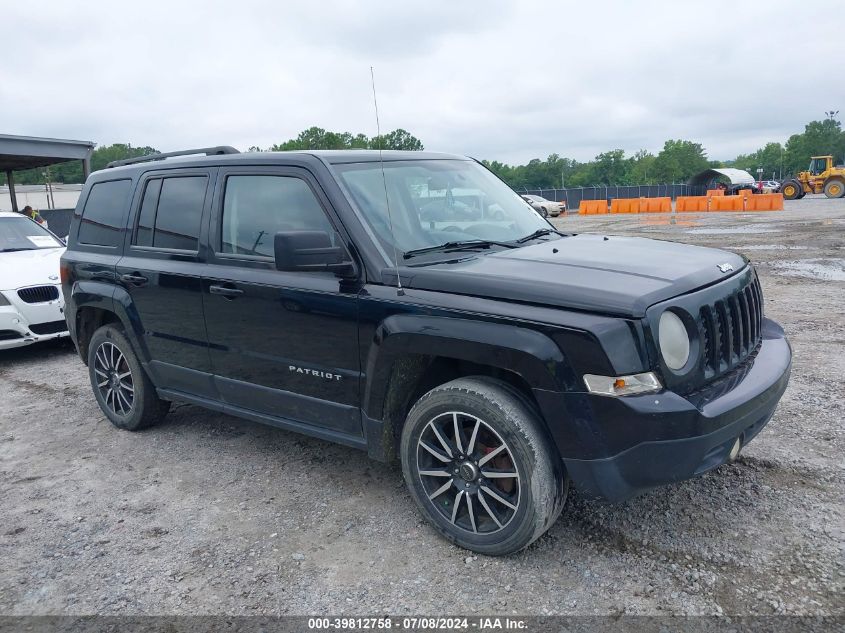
(532, 355)
(106, 296)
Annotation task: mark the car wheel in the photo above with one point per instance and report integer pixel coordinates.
(121, 386)
(791, 190)
(480, 467)
(544, 212)
(834, 189)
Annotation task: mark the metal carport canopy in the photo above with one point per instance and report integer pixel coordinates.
(28, 152)
(735, 176)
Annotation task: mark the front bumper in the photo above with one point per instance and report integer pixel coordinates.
(26, 323)
(678, 437)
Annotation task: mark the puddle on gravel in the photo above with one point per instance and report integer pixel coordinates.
(734, 230)
(773, 247)
(824, 269)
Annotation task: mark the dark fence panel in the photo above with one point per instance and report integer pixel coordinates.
(573, 197)
(58, 220)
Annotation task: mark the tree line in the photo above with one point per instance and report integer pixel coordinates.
(678, 161)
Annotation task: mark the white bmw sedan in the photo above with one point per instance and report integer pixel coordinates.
(31, 303)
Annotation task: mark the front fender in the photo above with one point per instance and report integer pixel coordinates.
(529, 353)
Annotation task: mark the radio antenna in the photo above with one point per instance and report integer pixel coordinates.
(400, 291)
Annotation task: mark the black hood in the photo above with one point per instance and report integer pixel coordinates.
(613, 275)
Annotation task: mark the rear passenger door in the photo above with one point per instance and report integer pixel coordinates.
(161, 272)
(283, 344)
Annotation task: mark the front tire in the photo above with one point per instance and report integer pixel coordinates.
(791, 190)
(834, 189)
(121, 386)
(478, 464)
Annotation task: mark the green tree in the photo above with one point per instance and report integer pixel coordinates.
(679, 160)
(397, 139)
(770, 158)
(819, 138)
(610, 168)
(641, 170)
(318, 138)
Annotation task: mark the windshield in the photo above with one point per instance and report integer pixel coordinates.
(434, 202)
(22, 234)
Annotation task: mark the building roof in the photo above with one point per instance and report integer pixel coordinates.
(735, 176)
(28, 152)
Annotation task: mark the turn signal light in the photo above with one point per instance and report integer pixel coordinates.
(622, 385)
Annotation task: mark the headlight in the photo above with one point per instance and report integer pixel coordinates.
(674, 340)
(4, 301)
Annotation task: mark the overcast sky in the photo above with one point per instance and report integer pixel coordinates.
(501, 80)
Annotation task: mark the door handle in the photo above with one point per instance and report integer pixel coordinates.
(229, 292)
(134, 278)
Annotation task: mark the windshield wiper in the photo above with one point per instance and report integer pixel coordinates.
(456, 246)
(15, 250)
(538, 233)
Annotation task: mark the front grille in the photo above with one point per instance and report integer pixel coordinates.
(730, 328)
(51, 327)
(38, 294)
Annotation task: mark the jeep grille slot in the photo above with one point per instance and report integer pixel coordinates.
(38, 294)
(730, 329)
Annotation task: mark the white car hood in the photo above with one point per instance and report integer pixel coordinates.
(37, 267)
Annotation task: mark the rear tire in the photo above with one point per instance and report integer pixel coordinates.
(122, 388)
(834, 188)
(791, 190)
(478, 464)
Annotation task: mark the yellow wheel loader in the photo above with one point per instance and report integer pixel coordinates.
(821, 177)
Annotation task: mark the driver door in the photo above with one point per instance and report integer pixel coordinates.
(282, 344)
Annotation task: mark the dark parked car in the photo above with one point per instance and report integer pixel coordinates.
(497, 359)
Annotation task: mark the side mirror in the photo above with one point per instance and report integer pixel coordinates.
(309, 251)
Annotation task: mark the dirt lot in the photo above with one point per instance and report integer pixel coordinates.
(209, 514)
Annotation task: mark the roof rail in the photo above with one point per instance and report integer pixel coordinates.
(208, 151)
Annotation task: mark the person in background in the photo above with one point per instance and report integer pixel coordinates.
(33, 213)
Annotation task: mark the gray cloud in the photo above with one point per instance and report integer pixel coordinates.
(507, 81)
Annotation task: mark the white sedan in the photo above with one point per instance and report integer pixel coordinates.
(31, 303)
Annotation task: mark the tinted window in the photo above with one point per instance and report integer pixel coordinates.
(105, 213)
(147, 216)
(255, 208)
(177, 221)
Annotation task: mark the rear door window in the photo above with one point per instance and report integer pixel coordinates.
(104, 214)
(171, 213)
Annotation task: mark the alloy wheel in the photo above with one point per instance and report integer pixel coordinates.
(114, 379)
(468, 473)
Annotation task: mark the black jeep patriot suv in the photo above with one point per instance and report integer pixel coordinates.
(416, 308)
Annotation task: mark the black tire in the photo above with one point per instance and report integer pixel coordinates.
(792, 190)
(487, 412)
(121, 386)
(834, 188)
(544, 212)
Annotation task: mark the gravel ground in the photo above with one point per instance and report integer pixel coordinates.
(207, 514)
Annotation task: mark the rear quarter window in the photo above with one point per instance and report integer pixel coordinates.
(104, 215)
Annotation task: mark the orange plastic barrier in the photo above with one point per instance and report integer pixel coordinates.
(655, 205)
(592, 207)
(691, 203)
(727, 203)
(625, 205)
(764, 202)
(715, 192)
